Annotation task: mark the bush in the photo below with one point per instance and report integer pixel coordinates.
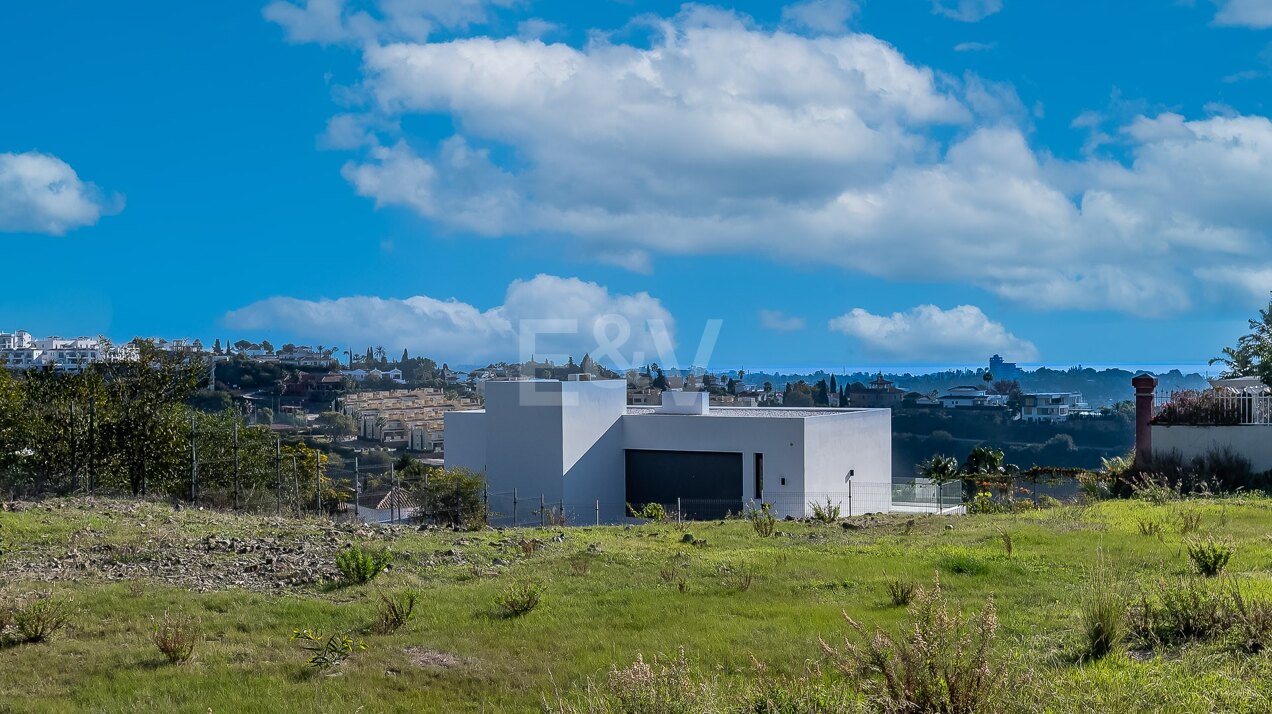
(327, 651)
(1183, 611)
(454, 496)
(943, 664)
(395, 611)
(649, 511)
(358, 566)
(175, 637)
(1209, 556)
(40, 619)
(518, 599)
(1102, 612)
(762, 520)
(825, 513)
(1251, 621)
(901, 591)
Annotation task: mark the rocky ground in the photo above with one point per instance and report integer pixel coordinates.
(199, 550)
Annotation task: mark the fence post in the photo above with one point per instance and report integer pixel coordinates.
(514, 508)
(850, 498)
(542, 515)
(459, 507)
(598, 511)
(296, 485)
(485, 502)
(74, 450)
(678, 519)
(393, 493)
(92, 446)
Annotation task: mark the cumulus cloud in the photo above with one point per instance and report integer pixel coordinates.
(1245, 13)
(40, 193)
(825, 16)
(340, 21)
(778, 321)
(966, 10)
(974, 46)
(721, 136)
(543, 316)
(929, 334)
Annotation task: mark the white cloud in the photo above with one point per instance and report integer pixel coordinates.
(40, 193)
(966, 10)
(723, 137)
(1245, 13)
(339, 21)
(820, 16)
(975, 46)
(614, 328)
(929, 334)
(778, 321)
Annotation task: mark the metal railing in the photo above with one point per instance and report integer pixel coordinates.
(1212, 408)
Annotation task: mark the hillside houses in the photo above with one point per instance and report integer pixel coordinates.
(411, 419)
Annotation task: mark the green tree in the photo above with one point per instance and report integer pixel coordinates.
(1252, 357)
(337, 425)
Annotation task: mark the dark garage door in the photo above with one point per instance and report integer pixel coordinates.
(708, 483)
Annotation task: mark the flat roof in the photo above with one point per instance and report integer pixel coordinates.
(755, 412)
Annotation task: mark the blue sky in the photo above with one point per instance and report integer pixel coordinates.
(875, 182)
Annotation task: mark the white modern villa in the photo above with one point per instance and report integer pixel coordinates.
(579, 444)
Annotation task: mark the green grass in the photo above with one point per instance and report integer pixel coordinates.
(804, 579)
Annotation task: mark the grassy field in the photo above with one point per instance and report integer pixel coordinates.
(610, 593)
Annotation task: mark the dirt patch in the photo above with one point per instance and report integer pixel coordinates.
(425, 658)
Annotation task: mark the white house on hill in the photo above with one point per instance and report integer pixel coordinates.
(580, 445)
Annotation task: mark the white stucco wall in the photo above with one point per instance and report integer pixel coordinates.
(1254, 442)
(466, 440)
(592, 448)
(779, 439)
(524, 438)
(853, 442)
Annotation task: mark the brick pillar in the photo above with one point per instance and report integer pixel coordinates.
(1145, 389)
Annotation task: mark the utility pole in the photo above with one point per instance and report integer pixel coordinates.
(393, 494)
(318, 480)
(296, 485)
(278, 476)
(194, 464)
(236, 465)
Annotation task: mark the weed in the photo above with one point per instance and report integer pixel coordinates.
(40, 619)
(962, 563)
(1187, 610)
(327, 651)
(529, 546)
(827, 512)
(395, 611)
(175, 637)
(580, 564)
(740, 579)
(1251, 621)
(1151, 527)
(1189, 521)
(358, 566)
(901, 591)
(649, 512)
(762, 520)
(943, 663)
(1102, 611)
(1209, 556)
(1005, 537)
(518, 599)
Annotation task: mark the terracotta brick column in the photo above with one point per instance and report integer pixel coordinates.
(1145, 389)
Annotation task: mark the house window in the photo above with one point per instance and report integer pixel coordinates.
(759, 476)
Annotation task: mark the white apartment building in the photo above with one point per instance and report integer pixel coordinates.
(579, 444)
(19, 351)
(1051, 406)
(964, 397)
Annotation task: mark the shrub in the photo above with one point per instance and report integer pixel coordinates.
(40, 619)
(455, 496)
(175, 637)
(1251, 621)
(942, 664)
(327, 651)
(358, 566)
(649, 512)
(827, 512)
(395, 611)
(1046, 501)
(901, 591)
(762, 520)
(1102, 612)
(983, 502)
(518, 599)
(803, 695)
(1187, 610)
(657, 686)
(1209, 556)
